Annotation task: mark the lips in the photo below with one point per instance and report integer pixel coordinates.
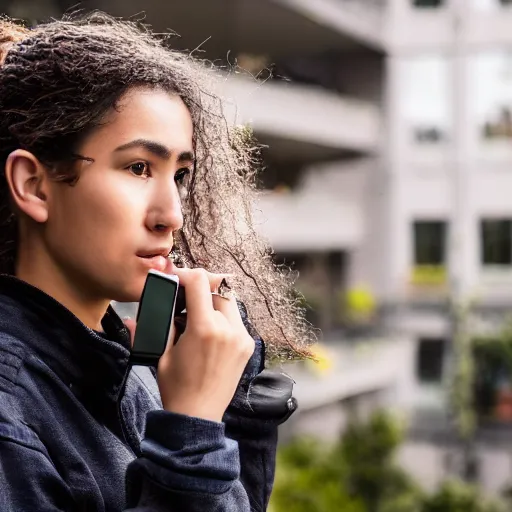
(152, 253)
(156, 262)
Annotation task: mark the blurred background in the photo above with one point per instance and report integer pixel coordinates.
(387, 186)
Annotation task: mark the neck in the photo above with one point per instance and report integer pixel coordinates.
(43, 273)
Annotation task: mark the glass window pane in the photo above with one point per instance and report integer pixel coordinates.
(429, 242)
(491, 78)
(428, 3)
(429, 361)
(425, 100)
(496, 241)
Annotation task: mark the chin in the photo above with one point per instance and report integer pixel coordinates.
(128, 293)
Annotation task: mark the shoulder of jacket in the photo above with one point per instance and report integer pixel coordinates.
(13, 428)
(13, 353)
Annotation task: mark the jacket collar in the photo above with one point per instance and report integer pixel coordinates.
(91, 363)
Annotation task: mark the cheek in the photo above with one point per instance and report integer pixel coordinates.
(104, 218)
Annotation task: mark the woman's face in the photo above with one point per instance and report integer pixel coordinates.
(126, 204)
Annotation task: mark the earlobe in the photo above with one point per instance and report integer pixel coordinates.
(28, 184)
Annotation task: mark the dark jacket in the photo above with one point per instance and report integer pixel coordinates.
(80, 430)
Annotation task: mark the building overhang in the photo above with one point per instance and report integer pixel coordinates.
(302, 122)
(276, 27)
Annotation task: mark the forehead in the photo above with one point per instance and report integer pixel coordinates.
(146, 114)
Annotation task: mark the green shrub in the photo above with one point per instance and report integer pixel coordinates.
(309, 478)
(457, 496)
(359, 474)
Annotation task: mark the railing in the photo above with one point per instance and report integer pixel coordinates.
(429, 275)
(355, 368)
(302, 113)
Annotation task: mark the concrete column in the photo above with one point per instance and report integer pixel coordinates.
(462, 229)
(394, 259)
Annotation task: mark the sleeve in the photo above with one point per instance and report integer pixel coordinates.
(264, 400)
(29, 481)
(186, 465)
(212, 466)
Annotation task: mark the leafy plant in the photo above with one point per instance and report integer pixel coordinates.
(458, 496)
(358, 474)
(310, 478)
(369, 450)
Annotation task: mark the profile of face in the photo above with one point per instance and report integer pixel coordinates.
(100, 233)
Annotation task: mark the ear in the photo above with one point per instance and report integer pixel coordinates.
(28, 183)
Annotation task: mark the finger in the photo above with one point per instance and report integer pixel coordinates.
(228, 307)
(214, 279)
(197, 284)
(172, 338)
(180, 324)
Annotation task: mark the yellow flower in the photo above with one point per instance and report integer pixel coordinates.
(322, 362)
(360, 303)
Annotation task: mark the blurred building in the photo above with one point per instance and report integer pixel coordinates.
(388, 174)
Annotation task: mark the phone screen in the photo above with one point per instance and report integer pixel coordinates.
(155, 315)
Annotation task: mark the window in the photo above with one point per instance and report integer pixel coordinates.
(428, 3)
(496, 237)
(425, 96)
(429, 360)
(429, 242)
(491, 78)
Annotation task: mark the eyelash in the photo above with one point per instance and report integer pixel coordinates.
(180, 175)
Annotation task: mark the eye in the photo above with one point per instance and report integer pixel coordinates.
(182, 175)
(140, 169)
(182, 178)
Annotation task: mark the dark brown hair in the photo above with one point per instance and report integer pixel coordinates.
(57, 83)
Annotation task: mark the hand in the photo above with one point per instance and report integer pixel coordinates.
(199, 375)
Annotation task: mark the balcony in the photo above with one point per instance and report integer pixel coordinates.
(428, 283)
(301, 224)
(355, 367)
(361, 20)
(303, 122)
(273, 27)
(325, 214)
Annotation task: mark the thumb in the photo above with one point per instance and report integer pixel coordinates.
(131, 324)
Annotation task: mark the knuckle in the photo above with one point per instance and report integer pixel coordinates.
(232, 339)
(204, 329)
(213, 332)
(250, 347)
(227, 336)
(246, 346)
(220, 335)
(198, 275)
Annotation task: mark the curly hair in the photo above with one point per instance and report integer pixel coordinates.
(57, 83)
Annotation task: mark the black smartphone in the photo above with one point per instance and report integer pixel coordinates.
(154, 318)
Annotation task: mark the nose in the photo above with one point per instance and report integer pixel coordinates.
(165, 215)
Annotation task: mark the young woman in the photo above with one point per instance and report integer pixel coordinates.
(113, 154)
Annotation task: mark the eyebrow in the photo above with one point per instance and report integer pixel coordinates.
(157, 149)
